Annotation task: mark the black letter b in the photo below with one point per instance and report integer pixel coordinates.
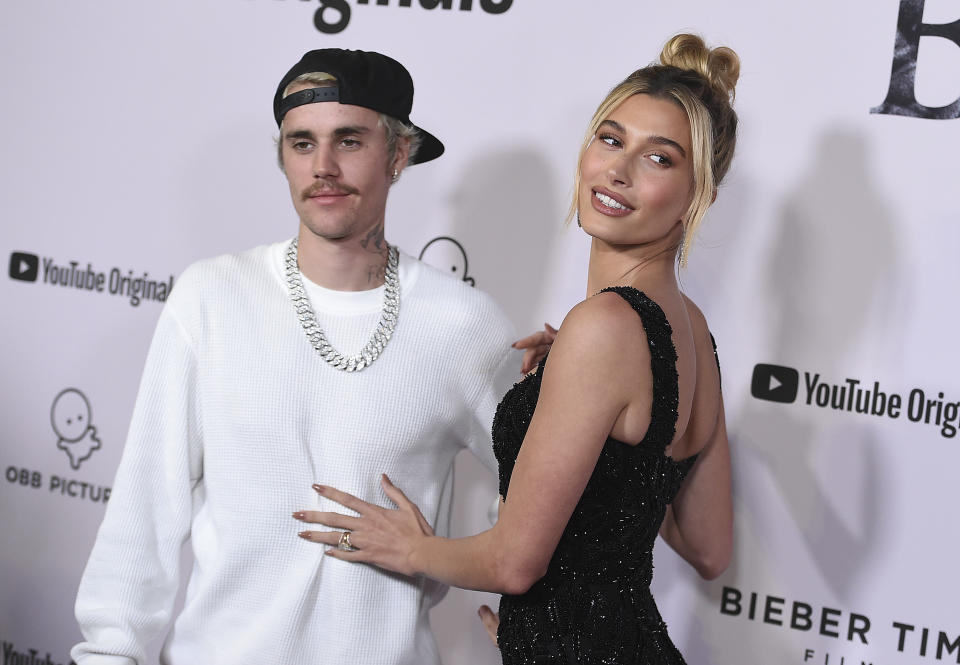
(901, 97)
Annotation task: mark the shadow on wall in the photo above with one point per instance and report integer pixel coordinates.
(506, 215)
(717, 251)
(711, 280)
(827, 277)
(833, 261)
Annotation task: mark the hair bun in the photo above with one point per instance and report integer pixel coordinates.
(720, 66)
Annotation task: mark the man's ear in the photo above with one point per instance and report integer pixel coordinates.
(402, 156)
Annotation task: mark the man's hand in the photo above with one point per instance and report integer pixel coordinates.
(535, 347)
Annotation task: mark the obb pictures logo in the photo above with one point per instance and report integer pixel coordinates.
(71, 418)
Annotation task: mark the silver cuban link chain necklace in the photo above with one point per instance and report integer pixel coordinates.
(308, 319)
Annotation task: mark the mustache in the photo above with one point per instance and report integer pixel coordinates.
(320, 188)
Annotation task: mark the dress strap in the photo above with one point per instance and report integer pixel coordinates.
(716, 357)
(663, 365)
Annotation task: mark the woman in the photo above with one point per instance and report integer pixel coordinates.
(621, 425)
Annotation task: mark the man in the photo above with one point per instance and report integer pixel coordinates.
(328, 358)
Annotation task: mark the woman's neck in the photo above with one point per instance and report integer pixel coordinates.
(648, 268)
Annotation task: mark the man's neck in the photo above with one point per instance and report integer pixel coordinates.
(350, 264)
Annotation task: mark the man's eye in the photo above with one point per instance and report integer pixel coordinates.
(301, 146)
(350, 143)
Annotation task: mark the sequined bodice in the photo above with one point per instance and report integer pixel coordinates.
(593, 605)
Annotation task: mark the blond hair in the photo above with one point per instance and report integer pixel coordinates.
(701, 81)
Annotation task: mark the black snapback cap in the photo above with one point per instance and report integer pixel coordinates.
(364, 78)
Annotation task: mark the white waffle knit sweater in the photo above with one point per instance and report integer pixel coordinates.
(236, 417)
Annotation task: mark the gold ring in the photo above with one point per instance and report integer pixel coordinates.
(344, 543)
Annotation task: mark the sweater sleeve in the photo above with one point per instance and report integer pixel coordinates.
(494, 366)
(128, 588)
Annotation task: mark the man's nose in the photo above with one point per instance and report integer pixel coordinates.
(325, 163)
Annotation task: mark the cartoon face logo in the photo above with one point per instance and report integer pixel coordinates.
(448, 255)
(70, 416)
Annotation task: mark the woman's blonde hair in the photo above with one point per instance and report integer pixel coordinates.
(701, 81)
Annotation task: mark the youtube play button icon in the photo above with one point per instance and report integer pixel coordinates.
(775, 383)
(24, 267)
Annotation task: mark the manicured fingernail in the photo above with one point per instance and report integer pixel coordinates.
(319, 489)
(299, 515)
(305, 535)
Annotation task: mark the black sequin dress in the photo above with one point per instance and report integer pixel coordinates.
(594, 604)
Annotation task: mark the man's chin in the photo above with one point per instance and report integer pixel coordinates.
(328, 232)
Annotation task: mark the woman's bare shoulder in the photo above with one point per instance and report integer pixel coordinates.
(698, 325)
(593, 335)
(604, 320)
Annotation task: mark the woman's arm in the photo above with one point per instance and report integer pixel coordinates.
(699, 523)
(587, 382)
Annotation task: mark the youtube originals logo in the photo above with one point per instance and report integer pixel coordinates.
(775, 383)
(24, 267)
(136, 288)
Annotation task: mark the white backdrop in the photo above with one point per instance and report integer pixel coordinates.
(138, 138)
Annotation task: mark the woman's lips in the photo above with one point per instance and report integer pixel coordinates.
(608, 203)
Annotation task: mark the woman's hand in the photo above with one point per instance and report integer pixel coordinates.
(491, 621)
(535, 347)
(381, 536)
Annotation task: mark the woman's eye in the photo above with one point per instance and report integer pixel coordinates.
(610, 140)
(662, 160)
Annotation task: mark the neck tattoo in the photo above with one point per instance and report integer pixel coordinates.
(308, 319)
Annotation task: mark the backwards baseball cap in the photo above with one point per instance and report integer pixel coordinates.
(364, 78)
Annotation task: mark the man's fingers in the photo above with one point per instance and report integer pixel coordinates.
(335, 520)
(491, 621)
